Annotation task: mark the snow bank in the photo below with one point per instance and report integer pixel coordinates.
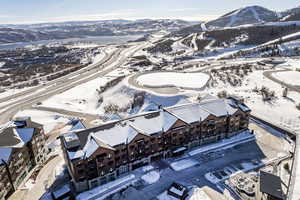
(151, 177)
(184, 80)
(183, 164)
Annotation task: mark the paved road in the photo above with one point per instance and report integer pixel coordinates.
(28, 98)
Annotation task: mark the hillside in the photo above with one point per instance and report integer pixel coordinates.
(35, 32)
(247, 15)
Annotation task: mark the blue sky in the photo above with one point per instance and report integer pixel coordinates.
(32, 11)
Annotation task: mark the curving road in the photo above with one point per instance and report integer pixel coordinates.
(12, 104)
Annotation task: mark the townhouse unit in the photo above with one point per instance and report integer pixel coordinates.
(18, 160)
(98, 155)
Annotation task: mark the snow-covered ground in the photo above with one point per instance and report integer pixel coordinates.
(151, 177)
(185, 80)
(50, 120)
(275, 110)
(82, 98)
(183, 164)
(289, 77)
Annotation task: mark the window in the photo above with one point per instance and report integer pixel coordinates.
(110, 163)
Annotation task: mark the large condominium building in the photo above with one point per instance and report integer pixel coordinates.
(17, 161)
(97, 155)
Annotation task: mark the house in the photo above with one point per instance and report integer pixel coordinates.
(18, 160)
(97, 155)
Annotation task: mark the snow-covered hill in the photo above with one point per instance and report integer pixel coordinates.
(35, 32)
(247, 15)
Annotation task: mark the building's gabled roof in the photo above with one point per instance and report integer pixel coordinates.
(5, 154)
(155, 122)
(218, 107)
(90, 147)
(124, 131)
(121, 133)
(190, 113)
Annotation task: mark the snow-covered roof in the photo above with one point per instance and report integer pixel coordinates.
(124, 131)
(190, 113)
(121, 133)
(7, 125)
(155, 122)
(218, 107)
(90, 147)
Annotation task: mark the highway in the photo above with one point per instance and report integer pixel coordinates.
(10, 105)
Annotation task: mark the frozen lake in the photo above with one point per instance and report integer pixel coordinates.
(96, 40)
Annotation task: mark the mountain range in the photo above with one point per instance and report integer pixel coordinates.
(46, 31)
(247, 16)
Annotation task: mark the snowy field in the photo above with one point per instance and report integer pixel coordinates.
(289, 77)
(275, 109)
(184, 80)
(82, 98)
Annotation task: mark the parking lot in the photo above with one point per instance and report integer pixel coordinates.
(221, 163)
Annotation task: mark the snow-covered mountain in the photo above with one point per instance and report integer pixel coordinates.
(247, 15)
(35, 32)
(291, 14)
